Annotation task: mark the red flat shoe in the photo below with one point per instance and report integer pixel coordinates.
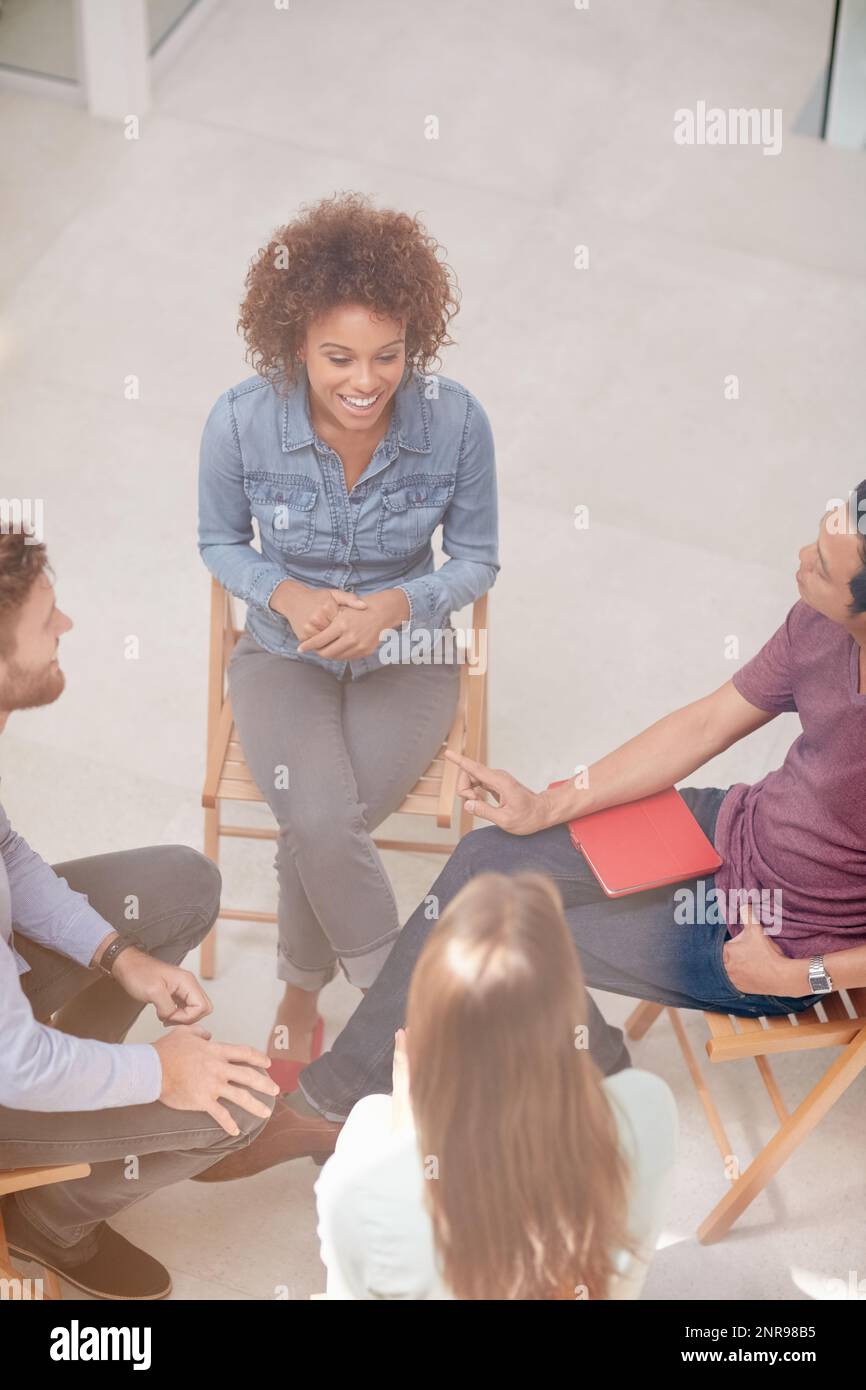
(286, 1073)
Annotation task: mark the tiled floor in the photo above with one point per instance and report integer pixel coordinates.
(604, 386)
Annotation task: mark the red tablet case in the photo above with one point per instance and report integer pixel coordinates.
(643, 844)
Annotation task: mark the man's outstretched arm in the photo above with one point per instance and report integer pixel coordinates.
(669, 750)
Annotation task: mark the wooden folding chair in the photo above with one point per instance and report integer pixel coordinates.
(17, 1180)
(228, 778)
(732, 1038)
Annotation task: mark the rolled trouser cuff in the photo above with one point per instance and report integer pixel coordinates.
(363, 968)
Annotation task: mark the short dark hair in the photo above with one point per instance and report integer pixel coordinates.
(858, 583)
(21, 563)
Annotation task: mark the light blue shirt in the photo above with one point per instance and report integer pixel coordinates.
(42, 1068)
(262, 461)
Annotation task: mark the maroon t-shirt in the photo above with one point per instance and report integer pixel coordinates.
(802, 828)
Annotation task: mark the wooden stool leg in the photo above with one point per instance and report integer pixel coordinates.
(641, 1019)
(10, 1273)
(212, 850)
(482, 758)
(50, 1283)
(710, 1109)
(809, 1112)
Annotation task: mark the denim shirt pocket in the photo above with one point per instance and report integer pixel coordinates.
(411, 510)
(284, 504)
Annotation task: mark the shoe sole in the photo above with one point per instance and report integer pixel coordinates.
(85, 1288)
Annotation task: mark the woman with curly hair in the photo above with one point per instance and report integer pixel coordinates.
(347, 452)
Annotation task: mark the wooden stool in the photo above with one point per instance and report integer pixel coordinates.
(18, 1180)
(732, 1038)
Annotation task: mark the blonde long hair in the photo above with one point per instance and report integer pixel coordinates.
(528, 1189)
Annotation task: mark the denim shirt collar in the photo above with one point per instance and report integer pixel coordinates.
(410, 420)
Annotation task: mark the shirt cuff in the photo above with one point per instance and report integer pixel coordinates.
(425, 602)
(84, 936)
(267, 578)
(145, 1073)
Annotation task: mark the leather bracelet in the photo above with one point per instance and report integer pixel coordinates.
(110, 954)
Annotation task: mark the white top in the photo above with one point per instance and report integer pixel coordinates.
(376, 1235)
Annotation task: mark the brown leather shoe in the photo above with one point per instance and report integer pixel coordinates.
(286, 1135)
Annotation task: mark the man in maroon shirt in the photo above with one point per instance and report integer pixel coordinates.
(799, 832)
(799, 835)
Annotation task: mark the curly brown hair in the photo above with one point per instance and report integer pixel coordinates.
(21, 563)
(339, 251)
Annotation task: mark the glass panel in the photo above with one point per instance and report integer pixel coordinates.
(846, 107)
(39, 36)
(162, 16)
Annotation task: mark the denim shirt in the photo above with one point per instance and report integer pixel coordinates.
(262, 460)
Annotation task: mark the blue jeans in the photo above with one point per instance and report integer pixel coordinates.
(631, 945)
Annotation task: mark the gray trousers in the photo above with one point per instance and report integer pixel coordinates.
(333, 758)
(133, 1150)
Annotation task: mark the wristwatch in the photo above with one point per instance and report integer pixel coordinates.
(819, 980)
(110, 954)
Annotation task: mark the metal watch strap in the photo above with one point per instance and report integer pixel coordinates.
(818, 975)
(110, 954)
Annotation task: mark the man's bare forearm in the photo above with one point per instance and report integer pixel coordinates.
(847, 968)
(663, 754)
